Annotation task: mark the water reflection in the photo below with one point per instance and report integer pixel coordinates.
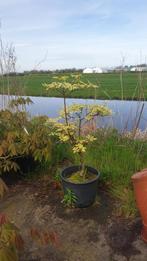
(126, 114)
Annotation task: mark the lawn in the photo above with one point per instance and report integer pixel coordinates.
(109, 86)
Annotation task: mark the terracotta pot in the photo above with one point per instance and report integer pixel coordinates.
(140, 187)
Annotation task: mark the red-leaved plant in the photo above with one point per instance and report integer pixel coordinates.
(11, 241)
(44, 237)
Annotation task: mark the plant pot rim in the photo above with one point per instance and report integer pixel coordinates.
(82, 183)
(140, 176)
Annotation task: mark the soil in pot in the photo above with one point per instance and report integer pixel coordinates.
(77, 177)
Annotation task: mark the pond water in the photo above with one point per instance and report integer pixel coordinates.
(125, 114)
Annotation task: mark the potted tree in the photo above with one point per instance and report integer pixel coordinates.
(69, 127)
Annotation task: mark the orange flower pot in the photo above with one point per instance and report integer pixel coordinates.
(140, 187)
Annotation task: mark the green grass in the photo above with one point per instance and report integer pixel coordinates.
(117, 159)
(109, 86)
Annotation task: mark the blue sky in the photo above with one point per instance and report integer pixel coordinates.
(49, 34)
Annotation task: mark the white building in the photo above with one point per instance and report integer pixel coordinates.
(138, 69)
(93, 70)
(134, 69)
(88, 70)
(97, 70)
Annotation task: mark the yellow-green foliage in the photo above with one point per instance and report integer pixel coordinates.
(67, 83)
(85, 111)
(75, 116)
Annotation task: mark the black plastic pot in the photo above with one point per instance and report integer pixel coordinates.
(86, 191)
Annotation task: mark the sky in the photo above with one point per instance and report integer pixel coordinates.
(55, 34)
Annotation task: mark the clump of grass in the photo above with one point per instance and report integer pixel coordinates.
(117, 158)
(126, 205)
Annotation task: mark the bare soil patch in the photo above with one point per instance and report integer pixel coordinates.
(89, 234)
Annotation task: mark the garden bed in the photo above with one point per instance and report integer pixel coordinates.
(89, 234)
